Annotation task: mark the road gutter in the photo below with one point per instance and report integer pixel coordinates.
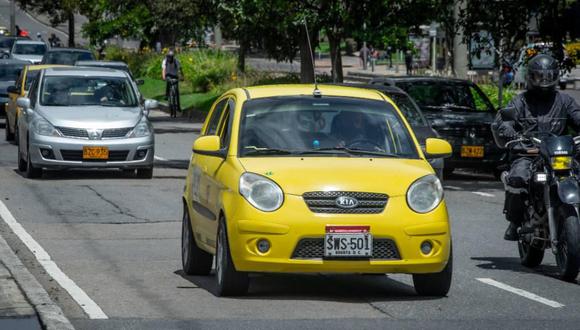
(50, 314)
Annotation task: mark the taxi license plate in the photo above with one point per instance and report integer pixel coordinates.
(472, 151)
(95, 153)
(348, 242)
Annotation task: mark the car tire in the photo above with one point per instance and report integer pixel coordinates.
(194, 260)
(436, 284)
(9, 136)
(230, 282)
(145, 173)
(21, 162)
(32, 172)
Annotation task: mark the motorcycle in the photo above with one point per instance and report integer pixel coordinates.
(552, 201)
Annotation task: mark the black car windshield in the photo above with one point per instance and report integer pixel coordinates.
(29, 49)
(79, 91)
(409, 110)
(303, 125)
(31, 75)
(10, 72)
(66, 57)
(437, 96)
(7, 42)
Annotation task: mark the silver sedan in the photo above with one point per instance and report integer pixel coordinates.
(84, 118)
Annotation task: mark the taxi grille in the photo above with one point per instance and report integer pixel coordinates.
(325, 202)
(77, 156)
(313, 248)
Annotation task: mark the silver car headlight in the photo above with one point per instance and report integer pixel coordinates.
(263, 193)
(425, 194)
(142, 129)
(41, 126)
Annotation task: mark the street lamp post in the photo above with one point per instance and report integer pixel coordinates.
(365, 50)
(433, 35)
(13, 17)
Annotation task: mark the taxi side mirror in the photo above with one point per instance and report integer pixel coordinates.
(208, 145)
(437, 148)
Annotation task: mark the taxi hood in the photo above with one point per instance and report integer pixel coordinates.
(391, 176)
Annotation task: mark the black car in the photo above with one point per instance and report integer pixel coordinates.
(9, 72)
(117, 65)
(461, 113)
(413, 114)
(67, 56)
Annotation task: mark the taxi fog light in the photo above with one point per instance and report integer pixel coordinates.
(426, 247)
(561, 162)
(263, 245)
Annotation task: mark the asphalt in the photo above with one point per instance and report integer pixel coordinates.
(118, 239)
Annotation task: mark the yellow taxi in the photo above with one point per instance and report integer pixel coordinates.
(21, 87)
(327, 179)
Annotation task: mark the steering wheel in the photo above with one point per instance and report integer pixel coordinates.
(363, 142)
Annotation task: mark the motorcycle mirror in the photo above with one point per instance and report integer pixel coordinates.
(508, 114)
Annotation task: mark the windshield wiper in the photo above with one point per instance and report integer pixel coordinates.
(349, 151)
(268, 151)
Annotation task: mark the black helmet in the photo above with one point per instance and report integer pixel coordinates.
(543, 72)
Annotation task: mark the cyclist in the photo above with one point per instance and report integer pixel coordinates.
(171, 69)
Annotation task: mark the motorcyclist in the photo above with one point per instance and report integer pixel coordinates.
(544, 109)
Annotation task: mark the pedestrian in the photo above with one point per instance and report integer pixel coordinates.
(363, 55)
(18, 31)
(409, 62)
(171, 69)
(389, 56)
(158, 47)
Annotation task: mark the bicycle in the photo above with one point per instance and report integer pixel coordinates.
(173, 97)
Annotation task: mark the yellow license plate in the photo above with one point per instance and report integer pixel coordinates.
(472, 151)
(95, 153)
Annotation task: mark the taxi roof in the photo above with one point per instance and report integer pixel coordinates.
(308, 89)
(43, 66)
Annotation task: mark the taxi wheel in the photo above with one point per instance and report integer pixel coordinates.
(31, 171)
(145, 173)
(437, 284)
(9, 135)
(195, 261)
(230, 282)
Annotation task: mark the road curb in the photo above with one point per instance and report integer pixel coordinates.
(50, 314)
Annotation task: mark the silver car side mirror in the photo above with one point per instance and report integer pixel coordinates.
(151, 105)
(23, 102)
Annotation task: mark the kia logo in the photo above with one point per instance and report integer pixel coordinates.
(346, 202)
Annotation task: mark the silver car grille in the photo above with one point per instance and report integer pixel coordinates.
(81, 133)
(325, 202)
(313, 248)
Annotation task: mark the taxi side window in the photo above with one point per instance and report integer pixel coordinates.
(226, 124)
(19, 80)
(32, 93)
(212, 127)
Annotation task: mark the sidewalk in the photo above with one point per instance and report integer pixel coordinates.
(15, 310)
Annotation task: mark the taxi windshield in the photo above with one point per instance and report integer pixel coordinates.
(85, 91)
(304, 125)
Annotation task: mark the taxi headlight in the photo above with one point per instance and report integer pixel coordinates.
(263, 193)
(425, 194)
(561, 162)
(41, 126)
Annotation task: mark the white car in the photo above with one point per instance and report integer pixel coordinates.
(28, 50)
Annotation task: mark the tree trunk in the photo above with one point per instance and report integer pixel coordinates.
(242, 55)
(306, 60)
(71, 29)
(335, 57)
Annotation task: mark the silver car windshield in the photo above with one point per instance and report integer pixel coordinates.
(84, 91)
(29, 49)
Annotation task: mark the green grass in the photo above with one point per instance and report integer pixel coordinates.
(155, 89)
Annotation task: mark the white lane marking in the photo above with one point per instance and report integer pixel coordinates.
(521, 292)
(87, 304)
(452, 188)
(161, 158)
(483, 194)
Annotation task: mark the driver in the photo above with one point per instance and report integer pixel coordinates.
(551, 111)
(350, 127)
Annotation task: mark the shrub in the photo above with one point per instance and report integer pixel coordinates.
(135, 60)
(573, 50)
(492, 93)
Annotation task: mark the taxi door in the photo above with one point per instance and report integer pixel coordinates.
(11, 107)
(204, 217)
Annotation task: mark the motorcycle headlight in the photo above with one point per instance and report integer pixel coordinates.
(425, 194)
(561, 163)
(263, 193)
(142, 129)
(41, 126)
